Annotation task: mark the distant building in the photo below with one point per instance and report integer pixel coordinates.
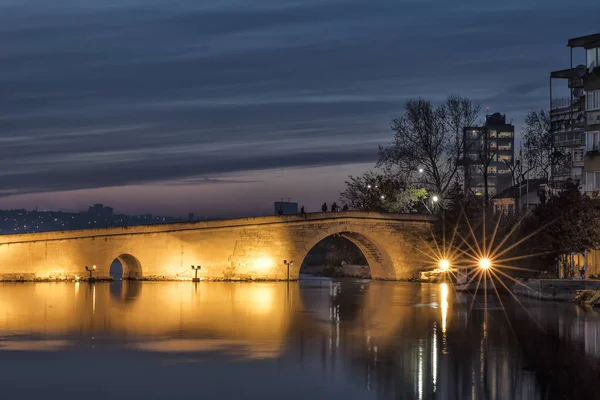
(288, 207)
(493, 142)
(525, 196)
(99, 210)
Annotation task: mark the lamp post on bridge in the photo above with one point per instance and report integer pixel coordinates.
(288, 264)
(196, 268)
(91, 271)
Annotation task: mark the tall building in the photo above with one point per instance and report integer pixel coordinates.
(591, 87)
(567, 120)
(492, 146)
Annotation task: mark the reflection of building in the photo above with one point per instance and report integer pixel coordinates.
(491, 145)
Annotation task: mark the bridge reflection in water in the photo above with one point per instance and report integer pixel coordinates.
(377, 338)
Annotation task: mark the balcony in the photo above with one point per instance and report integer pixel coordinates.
(569, 139)
(563, 102)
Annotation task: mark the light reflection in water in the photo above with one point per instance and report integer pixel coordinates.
(372, 336)
(444, 305)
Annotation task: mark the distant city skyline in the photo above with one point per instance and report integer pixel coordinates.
(222, 108)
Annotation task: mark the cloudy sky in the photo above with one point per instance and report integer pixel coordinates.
(222, 107)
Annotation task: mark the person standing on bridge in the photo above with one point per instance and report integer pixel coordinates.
(345, 207)
(324, 207)
(280, 211)
(302, 212)
(334, 207)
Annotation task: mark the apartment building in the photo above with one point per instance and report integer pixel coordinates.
(591, 87)
(575, 119)
(490, 145)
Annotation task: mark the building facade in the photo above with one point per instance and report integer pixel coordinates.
(591, 87)
(489, 147)
(575, 119)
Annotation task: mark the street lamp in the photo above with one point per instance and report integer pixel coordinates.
(435, 199)
(420, 170)
(91, 271)
(196, 268)
(444, 265)
(288, 264)
(485, 263)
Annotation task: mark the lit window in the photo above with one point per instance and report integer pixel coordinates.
(505, 134)
(493, 134)
(505, 157)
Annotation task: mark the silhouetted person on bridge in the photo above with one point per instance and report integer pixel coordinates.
(334, 207)
(324, 207)
(302, 212)
(345, 207)
(280, 211)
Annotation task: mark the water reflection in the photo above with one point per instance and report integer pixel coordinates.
(379, 339)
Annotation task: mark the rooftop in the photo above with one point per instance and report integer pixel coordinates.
(587, 42)
(513, 191)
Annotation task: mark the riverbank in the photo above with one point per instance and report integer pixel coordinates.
(588, 297)
(554, 289)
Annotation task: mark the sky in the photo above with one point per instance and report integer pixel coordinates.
(222, 107)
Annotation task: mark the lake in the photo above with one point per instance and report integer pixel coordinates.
(316, 338)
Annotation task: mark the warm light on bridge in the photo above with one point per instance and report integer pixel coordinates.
(263, 264)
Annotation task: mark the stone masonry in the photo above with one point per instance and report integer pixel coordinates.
(237, 249)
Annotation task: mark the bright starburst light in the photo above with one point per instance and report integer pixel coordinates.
(484, 263)
(444, 265)
(483, 259)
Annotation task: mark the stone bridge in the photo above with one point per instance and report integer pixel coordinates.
(236, 249)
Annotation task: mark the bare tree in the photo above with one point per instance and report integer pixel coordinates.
(541, 153)
(382, 191)
(428, 142)
(486, 154)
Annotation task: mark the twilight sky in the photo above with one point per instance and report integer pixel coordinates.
(222, 107)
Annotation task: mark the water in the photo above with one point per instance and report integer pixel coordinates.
(313, 339)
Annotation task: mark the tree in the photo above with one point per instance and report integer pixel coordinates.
(567, 223)
(382, 192)
(429, 143)
(485, 155)
(539, 145)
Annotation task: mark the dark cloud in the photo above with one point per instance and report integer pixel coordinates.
(114, 93)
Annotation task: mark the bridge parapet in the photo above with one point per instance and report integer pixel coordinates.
(236, 249)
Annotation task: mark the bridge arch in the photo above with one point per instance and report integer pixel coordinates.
(379, 261)
(131, 266)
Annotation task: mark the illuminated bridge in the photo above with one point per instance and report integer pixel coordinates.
(236, 249)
